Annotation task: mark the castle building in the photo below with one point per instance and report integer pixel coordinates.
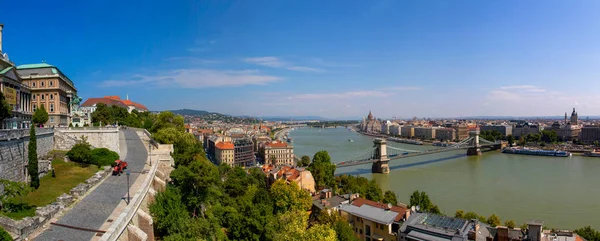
(370, 125)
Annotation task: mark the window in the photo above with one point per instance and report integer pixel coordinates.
(33, 83)
(42, 96)
(51, 107)
(51, 96)
(50, 83)
(42, 83)
(51, 119)
(33, 97)
(34, 105)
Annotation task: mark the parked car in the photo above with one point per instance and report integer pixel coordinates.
(118, 167)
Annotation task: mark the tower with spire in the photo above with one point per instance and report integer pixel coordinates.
(574, 117)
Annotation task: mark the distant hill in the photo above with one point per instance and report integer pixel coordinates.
(191, 112)
(292, 118)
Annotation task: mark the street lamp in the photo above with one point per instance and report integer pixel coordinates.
(150, 150)
(128, 173)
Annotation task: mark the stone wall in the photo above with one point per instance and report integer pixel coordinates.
(108, 138)
(14, 151)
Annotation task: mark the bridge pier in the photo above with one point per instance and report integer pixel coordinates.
(380, 155)
(476, 149)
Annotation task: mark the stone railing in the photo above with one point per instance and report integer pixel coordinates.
(23, 228)
(20, 133)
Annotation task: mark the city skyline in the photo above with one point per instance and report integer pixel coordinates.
(333, 59)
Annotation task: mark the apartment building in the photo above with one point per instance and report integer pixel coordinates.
(279, 154)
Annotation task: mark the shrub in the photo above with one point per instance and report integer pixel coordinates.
(81, 153)
(4, 236)
(104, 157)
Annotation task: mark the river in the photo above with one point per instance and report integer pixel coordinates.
(563, 192)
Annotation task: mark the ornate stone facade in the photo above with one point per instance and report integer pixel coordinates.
(370, 125)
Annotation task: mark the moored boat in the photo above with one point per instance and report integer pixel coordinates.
(594, 153)
(536, 152)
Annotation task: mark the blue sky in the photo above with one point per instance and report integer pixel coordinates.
(326, 58)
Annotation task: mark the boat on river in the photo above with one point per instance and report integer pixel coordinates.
(350, 140)
(443, 144)
(594, 153)
(405, 141)
(536, 152)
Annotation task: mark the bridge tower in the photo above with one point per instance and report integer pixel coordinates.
(380, 155)
(475, 150)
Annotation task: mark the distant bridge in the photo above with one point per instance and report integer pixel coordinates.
(380, 155)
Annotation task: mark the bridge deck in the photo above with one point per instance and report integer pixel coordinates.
(426, 152)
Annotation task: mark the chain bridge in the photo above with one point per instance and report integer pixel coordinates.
(381, 154)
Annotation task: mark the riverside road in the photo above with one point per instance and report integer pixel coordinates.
(96, 207)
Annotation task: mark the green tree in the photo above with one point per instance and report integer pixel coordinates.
(5, 236)
(11, 191)
(320, 232)
(511, 140)
(390, 197)
(32, 166)
(510, 224)
(102, 115)
(169, 212)
(168, 119)
(199, 182)
(289, 197)
(40, 116)
(459, 214)
(493, 220)
(304, 161)
(5, 109)
(294, 223)
(81, 153)
(422, 200)
(103, 157)
(588, 233)
(524, 226)
(549, 136)
(471, 215)
(322, 170)
(344, 231)
(374, 192)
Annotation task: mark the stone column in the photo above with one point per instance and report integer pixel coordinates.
(381, 163)
(145, 223)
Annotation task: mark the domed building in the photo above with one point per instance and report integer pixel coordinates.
(370, 125)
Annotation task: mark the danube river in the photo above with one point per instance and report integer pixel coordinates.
(563, 192)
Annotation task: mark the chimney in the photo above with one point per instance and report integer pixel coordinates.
(1, 27)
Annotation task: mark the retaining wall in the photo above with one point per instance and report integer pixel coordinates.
(66, 138)
(14, 151)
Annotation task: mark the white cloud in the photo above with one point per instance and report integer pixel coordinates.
(275, 62)
(528, 88)
(197, 78)
(304, 69)
(266, 61)
(343, 95)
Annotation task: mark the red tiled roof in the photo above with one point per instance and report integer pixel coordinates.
(400, 210)
(224, 145)
(114, 97)
(93, 101)
(113, 100)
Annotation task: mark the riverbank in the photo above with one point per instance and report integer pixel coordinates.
(493, 183)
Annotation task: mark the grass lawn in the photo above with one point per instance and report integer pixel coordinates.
(68, 175)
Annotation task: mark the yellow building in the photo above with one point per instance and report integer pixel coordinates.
(279, 154)
(371, 220)
(50, 88)
(224, 153)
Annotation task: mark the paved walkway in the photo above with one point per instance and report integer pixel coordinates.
(96, 207)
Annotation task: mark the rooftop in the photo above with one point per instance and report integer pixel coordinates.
(374, 214)
(434, 223)
(34, 66)
(224, 146)
(400, 210)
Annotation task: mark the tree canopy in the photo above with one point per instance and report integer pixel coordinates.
(322, 170)
(40, 116)
(421, 199)
(390, 197)
(588, 233)
(5, 109)
(289, 197)
(304, 161)
(32, 165)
